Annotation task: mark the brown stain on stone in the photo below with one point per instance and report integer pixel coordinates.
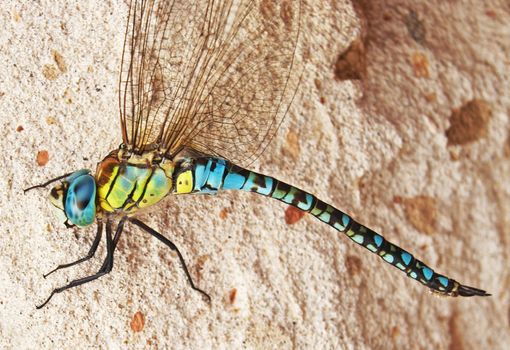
(292, 147)
(50, 72)
(491, 14)
(455, 333)
(318, 84)
(421, 211)
(352, 63)
(469, 123)
(59, 60)
(232, 296)
(223, 213)
(293, 215)
(137, 322)
(395, 331)
(42, 158)
(431, 97)
(353, 264)
(19, 128)
(420, 64)
(51, 120)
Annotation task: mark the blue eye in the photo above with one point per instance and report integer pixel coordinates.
(80, 206)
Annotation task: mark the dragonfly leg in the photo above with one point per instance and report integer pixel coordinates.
(107, 266)
(89, 255)
(43, 185)
(172, 246)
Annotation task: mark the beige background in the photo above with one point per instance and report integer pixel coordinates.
(376, 147)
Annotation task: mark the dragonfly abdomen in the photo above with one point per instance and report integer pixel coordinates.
(208, 175)
(129, 185)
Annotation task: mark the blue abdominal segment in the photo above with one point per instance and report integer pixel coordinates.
(213, 174)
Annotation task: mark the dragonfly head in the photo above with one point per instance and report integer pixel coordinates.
(75, 199)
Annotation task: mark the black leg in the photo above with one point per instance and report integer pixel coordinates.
(89, 255)
(107, 264)
(47, 182)
(174, 248)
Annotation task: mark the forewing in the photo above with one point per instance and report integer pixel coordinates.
(216, 76)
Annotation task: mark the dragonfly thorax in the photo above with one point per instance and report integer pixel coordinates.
(127, 181)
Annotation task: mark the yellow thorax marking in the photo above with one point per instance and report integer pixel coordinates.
(184, 182)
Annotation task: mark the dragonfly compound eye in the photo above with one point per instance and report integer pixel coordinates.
(80, 201)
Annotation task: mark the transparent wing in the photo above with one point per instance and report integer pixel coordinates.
(216, 76)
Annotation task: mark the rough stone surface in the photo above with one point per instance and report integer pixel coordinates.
(359, 144)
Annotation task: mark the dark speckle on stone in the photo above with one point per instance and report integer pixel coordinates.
(351, 64)
(469, 123)
(415, 27)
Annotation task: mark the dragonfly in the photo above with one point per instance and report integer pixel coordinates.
(203, 88)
